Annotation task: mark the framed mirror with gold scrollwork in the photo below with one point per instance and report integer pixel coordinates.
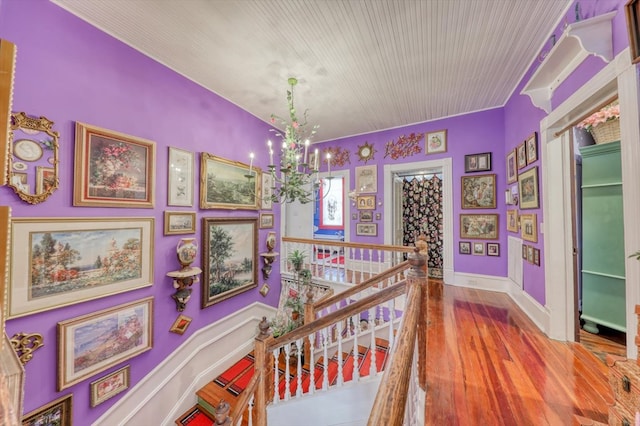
(366, 152)
(33, 157)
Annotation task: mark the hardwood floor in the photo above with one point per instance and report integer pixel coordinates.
(488, 364)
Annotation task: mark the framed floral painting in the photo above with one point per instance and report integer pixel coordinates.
(436, 142)
(58, 412)
(110, 385)
(113, 169)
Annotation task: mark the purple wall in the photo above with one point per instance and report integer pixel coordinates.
(69, 71)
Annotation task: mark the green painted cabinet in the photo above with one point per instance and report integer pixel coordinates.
(603, 257)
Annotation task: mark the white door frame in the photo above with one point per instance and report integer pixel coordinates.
(447, 205)
(619, 76)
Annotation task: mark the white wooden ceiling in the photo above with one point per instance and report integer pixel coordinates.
(362, 65)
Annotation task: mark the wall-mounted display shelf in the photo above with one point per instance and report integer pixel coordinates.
(579, 40)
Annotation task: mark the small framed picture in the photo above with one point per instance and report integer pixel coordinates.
(529, 227)
(266, 220)
(436, 142)
(477, 162)
(180, 177)
(632, 13)
(532, 148)
(366, 216)
(181, 324)
(493, 249)
(109, 386)
(512, 167)
(354, 216)
(378, 216)
(530, 254)
(536, 257)
(58, 412)
(512, 220)
(464, 247)
(179, 223)
(366, 202)
(367, 229)
(367, 179)
(478, 249)
(524, 251)
(521, 155)
(264, 290)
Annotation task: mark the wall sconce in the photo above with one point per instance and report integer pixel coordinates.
(270, 256)
(184, 278)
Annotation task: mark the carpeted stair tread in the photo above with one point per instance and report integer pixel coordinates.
(241, 383)
(235, 371)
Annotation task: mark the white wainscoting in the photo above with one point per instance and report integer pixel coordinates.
(169, 389)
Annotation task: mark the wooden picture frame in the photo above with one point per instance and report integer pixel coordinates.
(632, 14)
(113, 169)
(366, 202)
(464, 247)
(512, 167)
(529, 227)
(367, 229)
(524, 251)
(479, 226)
(224, 184)
(93, 343)
(58, 412)
(179, 222)
(512, 221)
(266, 220)
(536, 257)
(478, 249)
(521, 155)
(528, 189)
(474, 163)
(100, 257)
(367, 179)
(228, 242)
(532, 148)
(266, 202)
(110, 385)
(435, 142)
(181, 324)
(530, 251)
(180, 177)
(493, 249)
(478, 191)
(366, 216)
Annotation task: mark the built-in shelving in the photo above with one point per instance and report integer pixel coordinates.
(592, 36)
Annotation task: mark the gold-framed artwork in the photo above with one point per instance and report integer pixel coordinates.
(367, 229)
(5, 232)
(366, 202)
(93, 258)
(512, 220)
(479, 226)
(179, 222)
(529, 227)
(110, 385)
(478, 248)
(367, 179)
(227, 184)
(435, 142)
(113, 169)
(512, 167)
(521, 155)
(366, 216)
(58, 412)
(181, 324)
(478, 191)
(532, 148)
(180, 177)
(528, 189)
(7, 72)
(266, 220)
(229, 257)
(92, 343)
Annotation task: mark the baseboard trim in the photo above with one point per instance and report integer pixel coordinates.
(223, 341)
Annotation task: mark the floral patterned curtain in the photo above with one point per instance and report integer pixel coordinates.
(422, 214)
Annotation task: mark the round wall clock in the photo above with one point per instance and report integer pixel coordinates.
(365, 152)
(27, 150)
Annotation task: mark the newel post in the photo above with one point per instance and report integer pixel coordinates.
(417, 274)
(261, 365)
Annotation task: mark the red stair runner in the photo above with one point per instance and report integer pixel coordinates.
(234, 371)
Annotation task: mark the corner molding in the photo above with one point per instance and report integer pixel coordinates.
(579, 40)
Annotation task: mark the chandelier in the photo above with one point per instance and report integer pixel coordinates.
(297, 179)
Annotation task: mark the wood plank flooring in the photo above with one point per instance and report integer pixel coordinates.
(488, 364)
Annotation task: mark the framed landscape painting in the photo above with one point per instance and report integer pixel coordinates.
(113, 169)
(229, 257)
(179, 222)
(95, 342)
(225, 184)
(60, 262)
(58, 413)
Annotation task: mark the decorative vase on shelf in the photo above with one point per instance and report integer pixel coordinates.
(187, 251)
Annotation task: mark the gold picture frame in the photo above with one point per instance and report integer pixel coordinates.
(110, 385)
(127, 242)
(227, 184)
(267, 220)
(110, 336)
(512, 221)
(178, 223)
(366, 202)
(528, 189)
(113, 169)
(435, 142)
(58, 412)
(479, 226)
(478, 191)
(367, 179)
(512, 167)
(181, 324)
(529, 227)
(7, 71)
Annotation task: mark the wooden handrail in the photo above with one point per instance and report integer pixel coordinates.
(242, 404)
(402, 249)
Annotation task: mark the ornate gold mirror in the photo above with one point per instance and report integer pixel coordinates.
(33, 157)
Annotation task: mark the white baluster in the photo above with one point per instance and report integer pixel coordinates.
(299, 367)
(276, 397)
(312, 364)
(340, 378)
(356, 349)
(325, 361)
(287, 372)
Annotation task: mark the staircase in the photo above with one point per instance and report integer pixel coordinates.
(231, 383)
